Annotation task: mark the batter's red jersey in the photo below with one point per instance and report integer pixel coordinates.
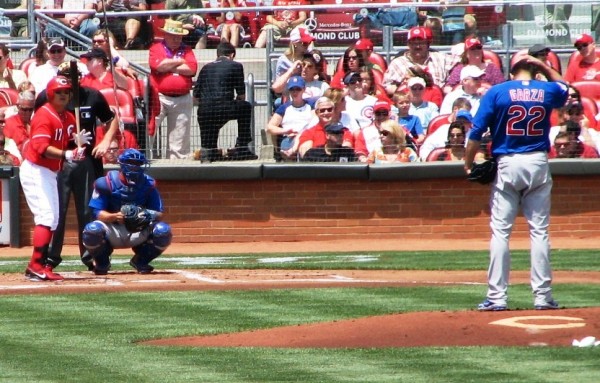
(48, 128)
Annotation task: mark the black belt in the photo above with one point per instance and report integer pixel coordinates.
(175, 95)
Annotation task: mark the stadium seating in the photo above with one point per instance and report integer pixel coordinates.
(493, 57)
(27, 64)
(552, 58)
(251, 22)
(8, 96)
(436, 122)
(123, 102)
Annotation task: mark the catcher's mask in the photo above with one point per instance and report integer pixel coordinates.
(133, 164)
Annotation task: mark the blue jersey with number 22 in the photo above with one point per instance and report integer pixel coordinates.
(518, 115)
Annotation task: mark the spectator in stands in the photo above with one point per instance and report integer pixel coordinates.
(315, 136)
(283, 22)
(105, 40)
(17, 126)
(411, 123)
(371, 83)
(358, 104)
(333, 149)
(172, 68)
(473, 55)
(367, 139)
(540, 52)
(230, 27)
(455, 145)
(418, 55)
(573, 113)
(470, 79)
(26, 85)
(424, 110)
(126, 29)
(19, 26)
(291, 59)
(194, 23)
(112, 153)
(78, 22)
(314, 86)
(337, 96)
(460, 112)
(40, 56)
(9, 78)
(588, 67)
(10, 152)
(221, 93)
(100, 75)
(6, 158)
(41, 75)
(364, 48)
(290, 120)
(568, 145)
(393, 148)
(352, 62)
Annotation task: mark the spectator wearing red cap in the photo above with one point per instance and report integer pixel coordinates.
(411, 123)
(417, 55)
(473, 55)
(588, 67)
(282, 22)
(367, 139)
(364, 47)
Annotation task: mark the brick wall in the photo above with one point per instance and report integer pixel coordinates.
(297, 210)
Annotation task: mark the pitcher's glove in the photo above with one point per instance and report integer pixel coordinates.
(483, 172)
(136, 218)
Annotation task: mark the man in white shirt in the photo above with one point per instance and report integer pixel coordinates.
(41, 75)
(470, 79)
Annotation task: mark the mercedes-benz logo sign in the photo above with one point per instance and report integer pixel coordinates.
(364, 12)
(229, 16)
(311, 24)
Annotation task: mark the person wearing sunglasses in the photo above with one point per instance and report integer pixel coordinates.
(358, 104)
(471, 87)
(473, 55)
(17, 127)
(105, 40)
(587, 65)
(394, 147)
(315, 136)
(351, 62)
(573, 113)
(40, 75)
(367, 139)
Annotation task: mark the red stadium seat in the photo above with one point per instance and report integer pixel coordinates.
(436, 122)
(8, 96)
(27, 64)
(435, 154)
(123, 102)
(493, 57)
(552, 58)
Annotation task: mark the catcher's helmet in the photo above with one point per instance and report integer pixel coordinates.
(133, 164)
(55, 84)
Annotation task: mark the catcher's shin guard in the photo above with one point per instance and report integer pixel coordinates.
(94, 240)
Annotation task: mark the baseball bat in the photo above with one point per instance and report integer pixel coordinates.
(74, 73)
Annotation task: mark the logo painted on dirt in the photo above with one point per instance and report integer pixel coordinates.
(558, 322)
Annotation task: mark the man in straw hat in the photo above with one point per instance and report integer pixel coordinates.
(172, 67)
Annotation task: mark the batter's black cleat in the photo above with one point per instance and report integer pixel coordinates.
(140, 267)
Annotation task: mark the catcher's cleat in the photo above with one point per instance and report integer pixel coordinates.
(552, 305)
(139, 267)
(490, 306)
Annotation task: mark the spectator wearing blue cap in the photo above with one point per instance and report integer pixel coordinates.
(461, 111)
(332, 151)
(358, 104)
(290, 120)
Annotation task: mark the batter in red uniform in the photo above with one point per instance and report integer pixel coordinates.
(43, 156)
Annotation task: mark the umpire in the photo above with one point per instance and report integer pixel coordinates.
(78, 177)
(215, 87)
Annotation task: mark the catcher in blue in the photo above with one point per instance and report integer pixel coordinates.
(517, 113)
(127, 209)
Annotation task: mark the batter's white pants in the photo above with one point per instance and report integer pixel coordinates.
(523, 181)
(41, 192)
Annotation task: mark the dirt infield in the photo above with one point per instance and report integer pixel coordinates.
(461, 328)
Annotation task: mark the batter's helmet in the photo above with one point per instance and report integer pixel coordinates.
(57, 83)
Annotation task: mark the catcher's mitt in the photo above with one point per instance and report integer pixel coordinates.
(135, 218)
(483, 172)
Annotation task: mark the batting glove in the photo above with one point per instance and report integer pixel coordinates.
(76, 154)
(82, 138)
